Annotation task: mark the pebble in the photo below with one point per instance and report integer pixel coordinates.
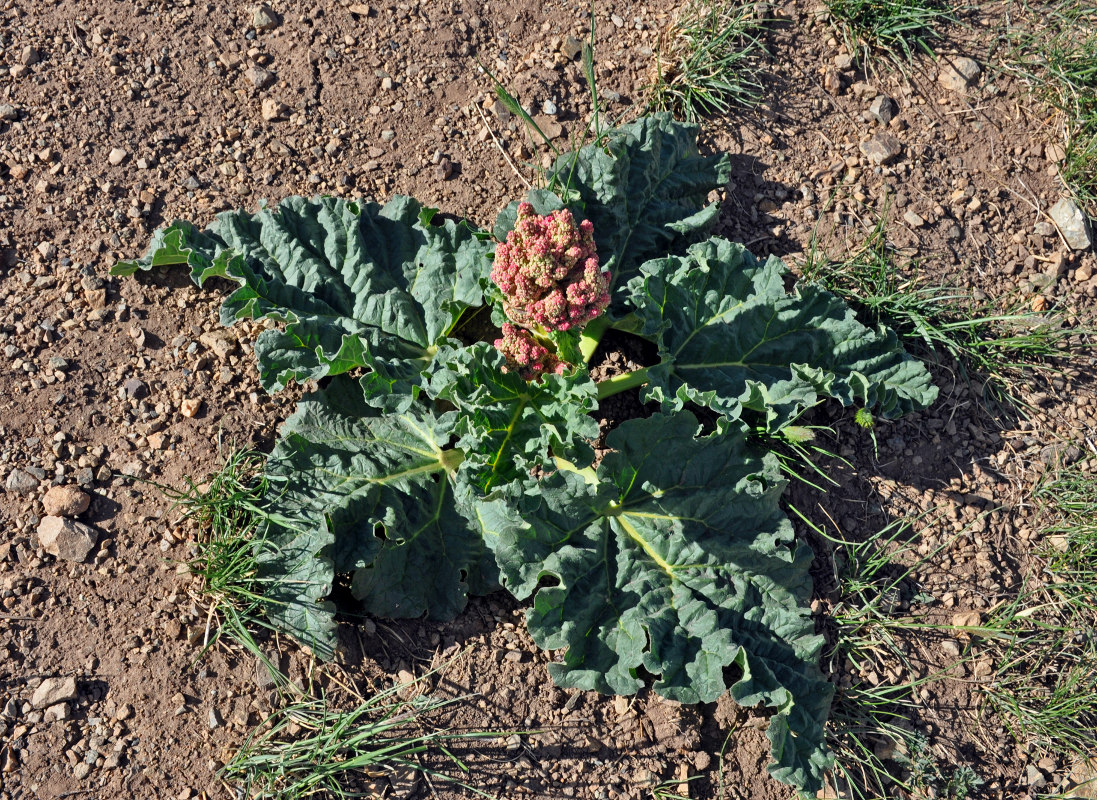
(135, 389)
(957, 74)
(214, 720)
(65, 501)
(272, 109)
(222, 343)
(20, 482)
(265, 19)
(260, 78)
(190, 406)
(843, 61)
(443, 170)
(53, 691)
(65, 538)
(29, 56)
(882, 109)
(571, 48)
(117, 156)
(549, 108)
(56, 713)
(881, 148)
(8, 112)
(913, 220)
(1072, 223)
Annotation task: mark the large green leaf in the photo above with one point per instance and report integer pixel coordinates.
(645, 188)
(675, 560)
(730, 336)
(356, 285)
(375, 494)
(507, 426)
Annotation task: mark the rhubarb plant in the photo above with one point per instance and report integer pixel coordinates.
(433, 461)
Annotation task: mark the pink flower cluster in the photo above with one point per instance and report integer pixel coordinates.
(548, 271)
(530, 359)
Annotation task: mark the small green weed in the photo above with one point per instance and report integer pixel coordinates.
(1045, 686)
(225, 511)
(1053, 47)
(898, 28)
(708, 61)
(308, 749)
(999, 349)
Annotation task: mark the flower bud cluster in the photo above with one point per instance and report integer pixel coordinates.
(526, 355)
(548, 272)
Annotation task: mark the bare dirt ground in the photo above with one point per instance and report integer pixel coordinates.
(121, 116)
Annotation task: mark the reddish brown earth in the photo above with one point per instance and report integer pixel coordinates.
(372, 100)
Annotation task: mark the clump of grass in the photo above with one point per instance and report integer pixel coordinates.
(225, 510)
(308, 749)
(897, 28)
(1045, 685)
(708, 60)
(1054, 48)
(997, 348)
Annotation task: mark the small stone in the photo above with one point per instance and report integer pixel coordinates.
(843, 61)
(273, 109)
(571, 48)
(56, 713)
(967, 619)
(190, 407)
(53, 691)
(831, 82)
(214, 721)
(1072, 223)
(20, 482)
(117, 156)
(260, 78)
(1034, 777)
(222, 343)
(881, 148)
(135, 389)
(124, 712)
(882, 109)
(386, 83)
(443, 170)
(549, 108)
(1043, 228)
(514, 743)
(81, 770)
(65, 501)
(157, 441)
(957, 74)
(8, 112)
(265, 19)
(1053, 152)
(913, 220)
(65, 538)
(388, 135)
(1083, 273)
(29, 56)
(950, 647)
(46, 250)
(513, 656)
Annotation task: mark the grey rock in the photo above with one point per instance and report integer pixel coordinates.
(1072, 223)
(53, 691)
(259, 77)
(8, 112)
(65, 501)
(264, 18)
(882, 109)
(66, 539)
(843, 61)
(958, 73)
(881, 148)
(214, 720)
(20, 482)
(135, 389)
(117, 156)
(29, 56)
(549, 108)
(1034, 777)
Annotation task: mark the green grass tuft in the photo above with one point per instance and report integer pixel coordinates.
(1001, 349)
(708, 61)
(897, 28)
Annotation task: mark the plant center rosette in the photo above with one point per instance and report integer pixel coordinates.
(409, 472)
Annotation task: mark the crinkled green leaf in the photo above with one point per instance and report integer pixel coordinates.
(645, 188)
(375, 494)
(674, 559)
(731, 337)
(356, 285)
(506, 425)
